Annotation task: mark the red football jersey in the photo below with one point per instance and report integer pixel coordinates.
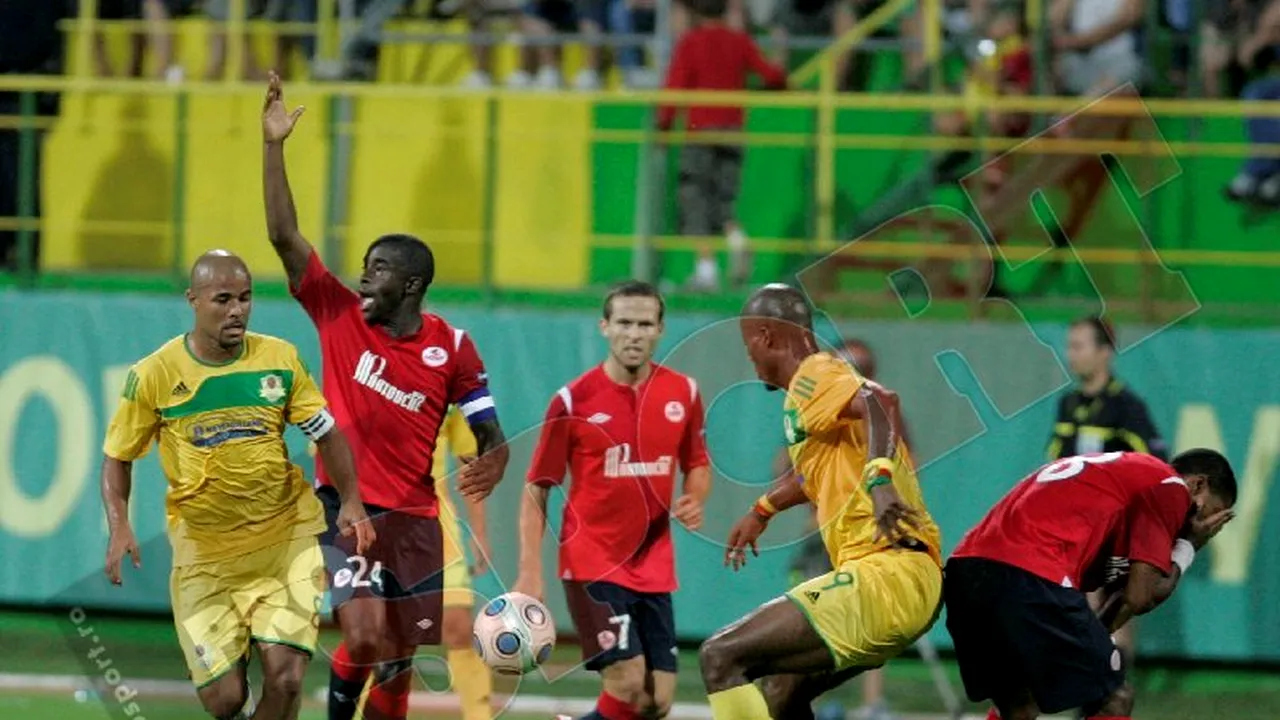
(389, 395)
(621, 446)
(1060, 521)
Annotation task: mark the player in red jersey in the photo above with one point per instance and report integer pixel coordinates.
(390, 373)
(1025, 636)
(621, 429)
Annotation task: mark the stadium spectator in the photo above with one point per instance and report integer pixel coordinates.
(219, 11)
(714, 56)
(30, 44)
(959, 18)
(1259, 178)
(1001, 66)
(1096, 44)
(541, 64)
(1232, 30)
(811, 19)
(158, 37)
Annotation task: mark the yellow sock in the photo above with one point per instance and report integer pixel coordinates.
(741, 703)
(364, 697)
(472, 683)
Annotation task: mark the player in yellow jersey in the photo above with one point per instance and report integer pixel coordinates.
(242, 520)
(471, 679)
(886, 589)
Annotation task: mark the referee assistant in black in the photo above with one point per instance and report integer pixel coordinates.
(1099, 415)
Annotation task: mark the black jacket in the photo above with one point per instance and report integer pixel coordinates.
(1114, 420)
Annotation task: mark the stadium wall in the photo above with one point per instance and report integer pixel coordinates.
(979, 400)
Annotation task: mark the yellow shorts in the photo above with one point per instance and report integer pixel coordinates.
(871, 609)
(457, 576)
(272, 595)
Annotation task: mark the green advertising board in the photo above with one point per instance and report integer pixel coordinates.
(979, 400)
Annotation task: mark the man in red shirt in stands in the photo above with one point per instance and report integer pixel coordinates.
(713, 56)
(621, 429)
(1025, 635)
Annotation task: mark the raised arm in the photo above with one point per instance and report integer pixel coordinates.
(282, 217)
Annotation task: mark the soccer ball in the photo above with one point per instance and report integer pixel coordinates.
(514, 634)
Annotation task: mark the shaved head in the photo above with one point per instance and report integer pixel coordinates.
(776, 301)
(214, 264)
(777, 330)
(221, 294)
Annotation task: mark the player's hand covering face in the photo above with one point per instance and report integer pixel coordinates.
(277, 122)
(633, 330)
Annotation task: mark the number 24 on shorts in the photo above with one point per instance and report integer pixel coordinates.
(1067, 468)
(356, 578)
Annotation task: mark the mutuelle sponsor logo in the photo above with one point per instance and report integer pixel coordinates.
(369, 373)
(206, 436)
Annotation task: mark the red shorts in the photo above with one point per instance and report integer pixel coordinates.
(404, 567)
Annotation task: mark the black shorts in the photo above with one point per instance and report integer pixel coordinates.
(1016, 632)
(615, 623)
(405, 567)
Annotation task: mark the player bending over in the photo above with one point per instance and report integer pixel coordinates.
(391, 371)
(247, 568)
(1025, 636)
(620, 428)
(885, 591)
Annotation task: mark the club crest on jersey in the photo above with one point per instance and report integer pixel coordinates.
(675, 411)
(435, 356)
(271, 389)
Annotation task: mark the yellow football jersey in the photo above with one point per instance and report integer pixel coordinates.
(830, 451)
(220, 430)
(455, 440)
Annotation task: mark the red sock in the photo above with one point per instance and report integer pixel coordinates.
(384, 704)
(345, 669)
(614, 709)
(993, 714)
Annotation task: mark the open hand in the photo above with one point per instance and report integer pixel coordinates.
(1201, 530)
(277, 122)
(892, 514)
(352, 520)
(479, 477)
(745, 533)
(688, 511)
(122, 542)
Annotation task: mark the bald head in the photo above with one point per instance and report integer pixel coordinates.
(776, 301)
(216, 265)
(221, 294)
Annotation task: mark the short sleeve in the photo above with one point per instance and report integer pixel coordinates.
(462, 443)
(693, 447)
(306, 406)
(821, 392)
(469, 385)
(136, 420)
(1155, 519)
(321, 293)
(551, 456)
